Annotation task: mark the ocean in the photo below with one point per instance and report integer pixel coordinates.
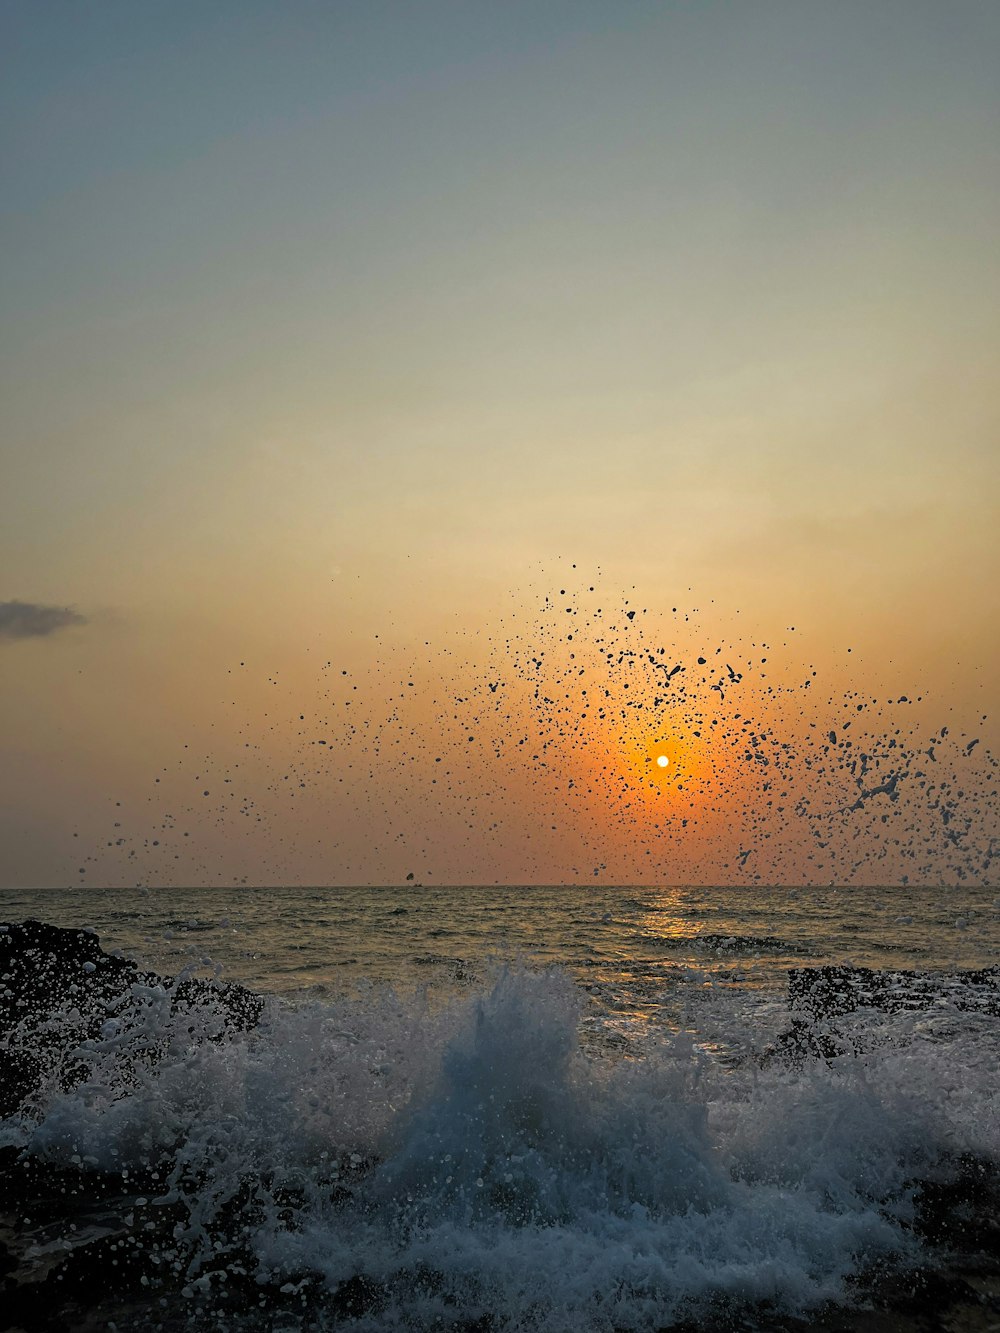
(642, 960)
(567, 1109)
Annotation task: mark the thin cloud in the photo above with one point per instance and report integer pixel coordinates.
(30, 620)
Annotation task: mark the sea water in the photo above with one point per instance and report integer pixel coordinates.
(640, 957)
(545, 1108)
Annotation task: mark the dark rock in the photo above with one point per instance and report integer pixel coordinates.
(358, 1297)
(826, 992)
(58, 988)
(820, 996)
(71, 1238)
(960, 1211)
(922, 1290)
(805, 1041)
(81, 1246)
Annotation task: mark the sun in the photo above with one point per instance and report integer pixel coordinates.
(662, 764)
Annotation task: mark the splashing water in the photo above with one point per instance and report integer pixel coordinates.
(528, 751)
(472, 1155)
(472, 1160)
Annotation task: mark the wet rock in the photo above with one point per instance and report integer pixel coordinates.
(58, 988)
(70, 1240)
(821, 1001)
(960, 1210)
(827, 992)
(358, 1297)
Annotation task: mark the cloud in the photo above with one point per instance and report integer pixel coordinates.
(29, 620)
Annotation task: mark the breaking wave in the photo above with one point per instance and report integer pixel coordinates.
(401, 1165)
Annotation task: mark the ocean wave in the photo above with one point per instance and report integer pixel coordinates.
(399, 1165)
(722, 943)
(719, 942)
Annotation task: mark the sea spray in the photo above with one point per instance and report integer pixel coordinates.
(448, 1161)
(576, 736)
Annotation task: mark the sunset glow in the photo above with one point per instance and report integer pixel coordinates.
(345, 406)
(499, 744)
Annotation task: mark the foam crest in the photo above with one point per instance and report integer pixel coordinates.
(472, 1158)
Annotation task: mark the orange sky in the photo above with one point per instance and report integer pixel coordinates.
(522, 748)
(351, 334)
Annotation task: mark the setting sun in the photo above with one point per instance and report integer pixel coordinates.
(662, 761)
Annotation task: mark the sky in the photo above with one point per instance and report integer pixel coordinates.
(343, 337)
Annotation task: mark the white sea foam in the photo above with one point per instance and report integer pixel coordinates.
(473, 1159)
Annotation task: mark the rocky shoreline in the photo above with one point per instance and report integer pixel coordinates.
(87, 1245)
(59, 989)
